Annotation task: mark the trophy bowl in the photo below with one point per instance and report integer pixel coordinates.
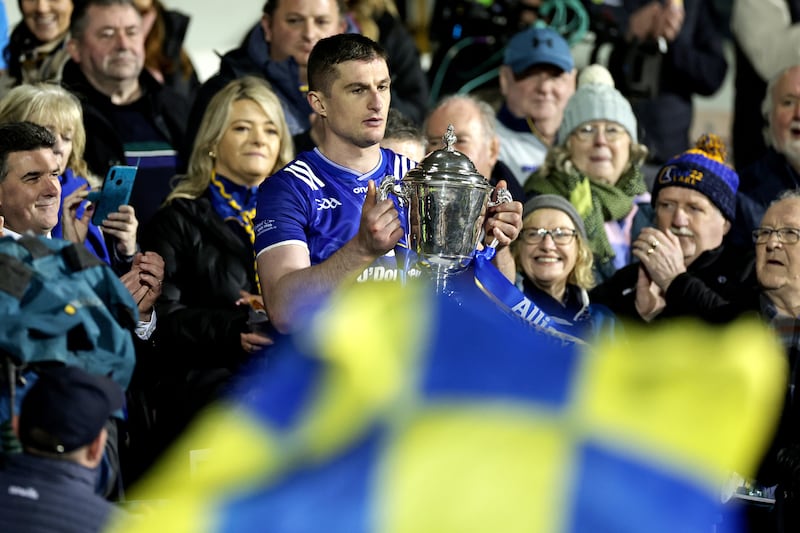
(447, 200)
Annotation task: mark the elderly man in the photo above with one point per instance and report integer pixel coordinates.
(130, 118)
(778, 273)
(774, 295)
(779, 168)
(476, 137)
(536, 80)
(694, 198)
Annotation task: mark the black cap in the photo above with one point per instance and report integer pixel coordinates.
(66, 408)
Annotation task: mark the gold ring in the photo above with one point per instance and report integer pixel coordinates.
(651, 251)
(654, 243)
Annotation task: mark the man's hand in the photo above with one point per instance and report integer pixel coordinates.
(74, 228)
(649, 298)
(380, 229)
(144, 281)
(661, 256)
(253, 341)
(644, 22)
(670, 20)
(122, 225)
(503, 221)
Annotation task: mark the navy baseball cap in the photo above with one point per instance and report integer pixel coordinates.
(66, 408)
(538, 46)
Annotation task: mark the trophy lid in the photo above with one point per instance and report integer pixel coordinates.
(447, 164)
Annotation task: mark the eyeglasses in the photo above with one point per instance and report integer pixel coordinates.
(785, 235)
(537, 235)
(588, 132)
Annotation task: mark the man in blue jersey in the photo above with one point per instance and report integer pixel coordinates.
(319, 221)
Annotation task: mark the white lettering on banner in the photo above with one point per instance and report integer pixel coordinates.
(528, 311)
(327, 203)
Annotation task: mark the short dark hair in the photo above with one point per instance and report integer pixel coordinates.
(21, 137)
(271, 5)
(331, 51)
(79, 20)
(399, 126)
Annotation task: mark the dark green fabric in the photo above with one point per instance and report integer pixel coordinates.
(607, 202)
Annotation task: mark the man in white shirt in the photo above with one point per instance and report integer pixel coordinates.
(537, 79)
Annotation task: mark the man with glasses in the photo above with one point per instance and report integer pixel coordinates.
(476, 137)
(683, 259)
(778, 169)
(774, 295)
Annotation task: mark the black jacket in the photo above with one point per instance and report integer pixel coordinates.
(409, 83)
(197, 345)
(167, 111)
(160, 106)
(759, 185)
(693, 64)
(714, 277)
(176, 24)
(207, 264)
(44, 495)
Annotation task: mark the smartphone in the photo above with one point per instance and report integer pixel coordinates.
(116, 191)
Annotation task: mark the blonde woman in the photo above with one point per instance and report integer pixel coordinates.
(56, 109)
(554, 261)
(205, 233)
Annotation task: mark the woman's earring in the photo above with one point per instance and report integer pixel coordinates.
(212, 154)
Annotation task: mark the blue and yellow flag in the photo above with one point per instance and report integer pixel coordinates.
(399, 411)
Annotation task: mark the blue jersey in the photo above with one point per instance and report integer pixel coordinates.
(317, 203)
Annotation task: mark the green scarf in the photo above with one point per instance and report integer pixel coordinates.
(597, 203)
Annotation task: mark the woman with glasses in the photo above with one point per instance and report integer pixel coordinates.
(554, 261)
(596, 165)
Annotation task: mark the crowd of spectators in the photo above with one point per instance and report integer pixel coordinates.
(257, 189)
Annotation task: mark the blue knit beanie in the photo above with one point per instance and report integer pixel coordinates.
(597, 99)
(703, 169)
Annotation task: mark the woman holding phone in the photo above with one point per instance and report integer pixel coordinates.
(205, 233)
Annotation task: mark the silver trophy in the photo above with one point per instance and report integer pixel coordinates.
(447, 200)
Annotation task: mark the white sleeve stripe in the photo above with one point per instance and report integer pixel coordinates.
(292, 242)
(302, 171)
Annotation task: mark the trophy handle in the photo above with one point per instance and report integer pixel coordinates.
(503, 197)
(389, 185)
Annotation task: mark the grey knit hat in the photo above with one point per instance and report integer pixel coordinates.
(554, 201)
(597, 99)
